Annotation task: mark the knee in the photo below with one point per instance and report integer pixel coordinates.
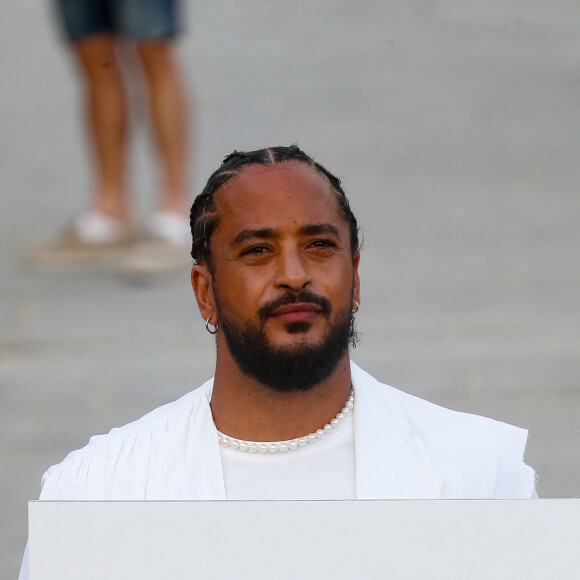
(156, 57)
(97, 56)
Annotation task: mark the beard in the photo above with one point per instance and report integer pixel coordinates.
(285, 369)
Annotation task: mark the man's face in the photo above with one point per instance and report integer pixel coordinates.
(284, 277)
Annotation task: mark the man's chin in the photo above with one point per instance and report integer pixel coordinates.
(295, 340)
(294, 356)
(295, 350)
(297, 331)
(298, 327)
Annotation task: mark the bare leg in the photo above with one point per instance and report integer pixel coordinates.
(106, 110)
(169, 118)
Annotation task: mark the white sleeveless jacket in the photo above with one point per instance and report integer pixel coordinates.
(405, 448)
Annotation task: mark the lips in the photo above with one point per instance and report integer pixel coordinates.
(296, 312)
(305, 306)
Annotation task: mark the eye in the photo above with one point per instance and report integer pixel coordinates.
(322, 244)
(257, 250)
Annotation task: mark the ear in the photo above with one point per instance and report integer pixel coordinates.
(356, 280)
(202, 283)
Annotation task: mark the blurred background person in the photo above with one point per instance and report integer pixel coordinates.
(95, 29)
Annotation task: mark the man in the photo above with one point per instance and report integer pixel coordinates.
(288, 416)
(95, 29)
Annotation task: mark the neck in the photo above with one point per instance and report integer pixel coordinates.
(246, 409)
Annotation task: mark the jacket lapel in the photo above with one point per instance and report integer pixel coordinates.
(185, 461)
(385, 467)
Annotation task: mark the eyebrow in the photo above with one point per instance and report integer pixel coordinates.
(262, 233)
(269, 233)
(315, 229)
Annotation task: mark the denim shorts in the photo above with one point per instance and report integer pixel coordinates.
(134, 19)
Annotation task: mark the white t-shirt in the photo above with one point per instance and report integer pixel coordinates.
(324, 469)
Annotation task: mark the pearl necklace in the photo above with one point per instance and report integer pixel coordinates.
(291, 444)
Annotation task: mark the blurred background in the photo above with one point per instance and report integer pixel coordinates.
(455, 126)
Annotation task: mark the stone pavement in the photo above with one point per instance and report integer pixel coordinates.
(456, 129)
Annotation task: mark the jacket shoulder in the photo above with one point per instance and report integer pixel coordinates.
(473, 456)
(118, 458)
(473, 452)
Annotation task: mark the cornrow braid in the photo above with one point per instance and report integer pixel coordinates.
(204, 217)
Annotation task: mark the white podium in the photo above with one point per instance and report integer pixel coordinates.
(362, 540)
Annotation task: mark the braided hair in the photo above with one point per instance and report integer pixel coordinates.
(204, 216)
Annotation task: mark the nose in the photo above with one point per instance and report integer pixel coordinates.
(292, 272)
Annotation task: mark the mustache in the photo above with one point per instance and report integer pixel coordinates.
(290, 298)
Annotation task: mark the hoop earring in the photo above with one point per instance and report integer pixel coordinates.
(355, 310)
(211, 328)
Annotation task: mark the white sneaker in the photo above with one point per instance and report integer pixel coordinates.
(170, 227)
(165, 247)
(94, 228)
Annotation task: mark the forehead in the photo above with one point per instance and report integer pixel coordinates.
(280, 196)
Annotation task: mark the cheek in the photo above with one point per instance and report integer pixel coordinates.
(241, 291)
(340, 281)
